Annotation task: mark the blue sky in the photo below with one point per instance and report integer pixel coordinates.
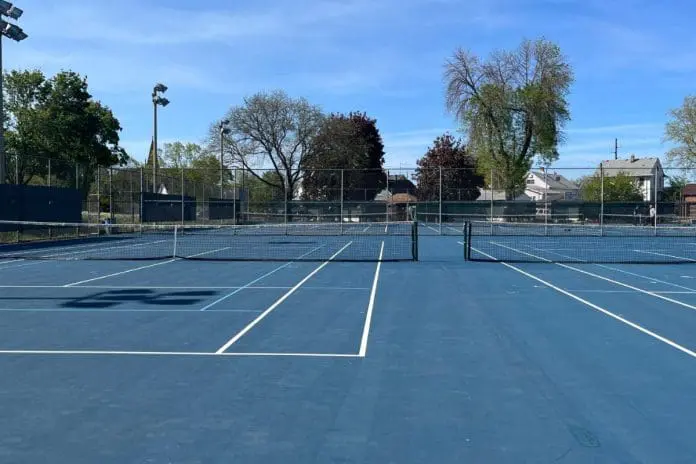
(633, 61)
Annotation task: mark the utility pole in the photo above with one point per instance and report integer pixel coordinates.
(616, 149)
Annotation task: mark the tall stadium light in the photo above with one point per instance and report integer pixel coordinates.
(15, 33)
(157, 100)
(224, 130)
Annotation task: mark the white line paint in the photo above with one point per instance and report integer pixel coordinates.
(366, 229)
(121, 310)
(171, 354)
(370, 306)
(219, 300)
(671, 284)
(177, 287)
(665, 254)
(278, 302)
(73, 284)
(386, 227)
(607, 279)
(140, 268)
(433, 229)
(597, 308)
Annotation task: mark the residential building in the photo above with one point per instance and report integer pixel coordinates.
(647, 173)
(543, 185)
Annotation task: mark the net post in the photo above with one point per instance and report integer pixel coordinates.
(439, 214)
(601, 199)
(466, 240)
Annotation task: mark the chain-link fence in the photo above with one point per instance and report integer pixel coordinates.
(639, 192)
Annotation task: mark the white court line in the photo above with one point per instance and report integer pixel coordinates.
(365, 229)
(671, 284)
(370, 306)
(121, 310)
(597, 308)
(278, 302)
(172, 354)
(597, 276)
(386, 227)
(219, 300)
(178, 287)
(118, 273)
(433, 229)
(664, 254)
(139, 268)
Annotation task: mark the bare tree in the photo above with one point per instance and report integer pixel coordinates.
(512, 106)
(270, 131)
(681, 130)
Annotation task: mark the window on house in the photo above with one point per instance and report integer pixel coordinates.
(530, 181)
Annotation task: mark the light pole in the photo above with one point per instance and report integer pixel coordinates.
(157, 100)
(15, 33)
(224, 130)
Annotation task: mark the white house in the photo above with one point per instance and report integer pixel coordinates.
(647, 173)
(550, 186)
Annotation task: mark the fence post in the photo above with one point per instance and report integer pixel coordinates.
(98, 195)
(439, 201)
(546, 200)
(655, 199)
(235, 197)
(142, 200)
(492, 190)
(182, 195)
(388, 199)
(111, 195)
(286, 185)
(601, 199)
(341, 209)
(17, 170)
(49, 172)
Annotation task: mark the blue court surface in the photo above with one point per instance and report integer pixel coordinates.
(434, 361)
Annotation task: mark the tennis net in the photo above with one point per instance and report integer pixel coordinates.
(394, 241)
(579, 243)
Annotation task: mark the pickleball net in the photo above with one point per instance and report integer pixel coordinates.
(392, 241)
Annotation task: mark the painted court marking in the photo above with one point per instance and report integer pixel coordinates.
(597, 276)
(234, 292)
(172, 354)
(596, 307)
(370, 306)
(278, 302)
(141, 267)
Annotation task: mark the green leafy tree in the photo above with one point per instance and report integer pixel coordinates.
(350, 143)
(270, 131)
(617, 188)
(681, 130)
(512, 106)
(460, 180)
(57, 118)
(676, 186)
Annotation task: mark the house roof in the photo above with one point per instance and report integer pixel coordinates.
(632, 166)
(555, 181)
(689, 190)
(485, 195)
(403, 198)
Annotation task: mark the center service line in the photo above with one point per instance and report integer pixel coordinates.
(234, 292)
(370, 306)
(261, 316)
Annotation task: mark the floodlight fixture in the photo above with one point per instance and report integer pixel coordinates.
(161, 101)
(9, 10)
(12, 31)
(161, 88)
